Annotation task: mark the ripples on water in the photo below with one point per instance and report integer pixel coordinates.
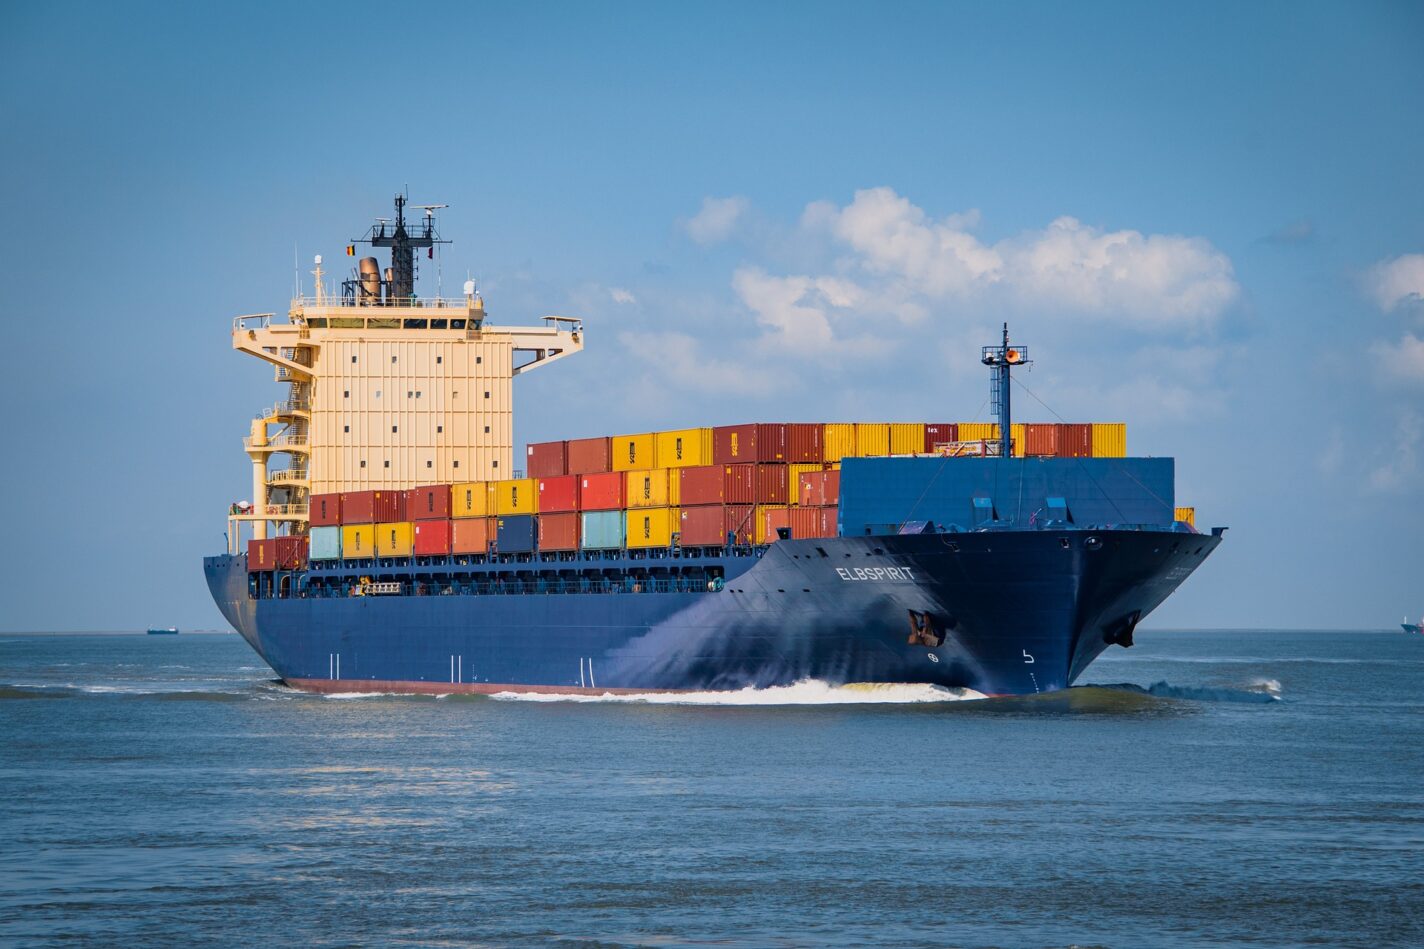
(1205, 789)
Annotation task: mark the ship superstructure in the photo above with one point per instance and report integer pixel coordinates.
(395, 548)
(384, 389)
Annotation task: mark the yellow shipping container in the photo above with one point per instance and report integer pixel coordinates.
(1019, 438)
(764, 536)
(793, 479)
(652, 526)
(1188, 514)
(872, 439)
(395, 539)
(358, 541)
(838, 440)
(631, 452)
(653, 487)
(1110, 440)
(978, 431)
(520, 496)
(472, 499)
(683, 448)
(907, 438)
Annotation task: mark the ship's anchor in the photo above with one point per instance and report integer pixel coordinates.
(923, 631)
(1121, 631)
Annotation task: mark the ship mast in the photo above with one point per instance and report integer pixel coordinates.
(1001, 360)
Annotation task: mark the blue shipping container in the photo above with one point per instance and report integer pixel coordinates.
(602, 530)
(326, 543)
(880, 494)
(517, 534)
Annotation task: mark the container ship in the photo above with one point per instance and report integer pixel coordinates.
(391, 544)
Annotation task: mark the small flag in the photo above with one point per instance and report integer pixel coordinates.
(350, 250)
(430, 253)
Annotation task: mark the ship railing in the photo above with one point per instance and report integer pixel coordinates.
(410, 303)
(287, 475)
(252, 321)
(285, 407)
(278, 441)
(507, 586)
(273, 511)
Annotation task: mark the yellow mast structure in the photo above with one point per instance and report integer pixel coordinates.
(385, 390)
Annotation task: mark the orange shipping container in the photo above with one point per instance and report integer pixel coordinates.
(819, 488)
(803, 522)
(589, 455)
(471, 535)
(559, 531)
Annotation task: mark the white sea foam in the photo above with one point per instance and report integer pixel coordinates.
(1269, 686)
(805, 692)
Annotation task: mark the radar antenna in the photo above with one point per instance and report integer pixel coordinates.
(403, 241)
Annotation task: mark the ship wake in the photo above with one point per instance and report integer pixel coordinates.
(805, 692)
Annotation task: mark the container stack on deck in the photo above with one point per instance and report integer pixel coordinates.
(694, 487)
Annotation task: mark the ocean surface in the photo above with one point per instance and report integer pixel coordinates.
(1207, 789)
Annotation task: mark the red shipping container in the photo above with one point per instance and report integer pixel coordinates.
(325, 510)
(261, 555)
(601, 491)
(819, 488)
(734, 444)
(558, 531)
(708, 525)
(428, 503)
(589, 455)
(290, 553)
(559, 494)
(803, 443)
(939, 433)
(370, 507)
(1075, 441)
(546, 460)
(470, 535)
(803, 522)
(432, 538)
(1040, 439)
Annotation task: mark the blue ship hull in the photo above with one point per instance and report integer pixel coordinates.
(999, 612)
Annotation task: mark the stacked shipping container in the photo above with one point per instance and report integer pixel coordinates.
(694, 487)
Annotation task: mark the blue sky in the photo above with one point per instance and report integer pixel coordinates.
(1206, 221)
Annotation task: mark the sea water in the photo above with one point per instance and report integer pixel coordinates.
(1200, 789)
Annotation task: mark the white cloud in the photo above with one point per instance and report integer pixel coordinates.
(717, 219)
(682, 364)
(1397, 281)
(1401, 464)
(620, 295)
(1152, 280)
(1402, 361)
